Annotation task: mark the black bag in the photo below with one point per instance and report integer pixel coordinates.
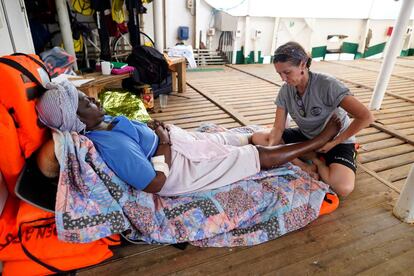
(165, 87)
(150, 65)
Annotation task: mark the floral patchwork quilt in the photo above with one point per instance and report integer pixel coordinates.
(92, 203)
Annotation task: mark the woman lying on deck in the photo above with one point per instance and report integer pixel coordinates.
(165, 159)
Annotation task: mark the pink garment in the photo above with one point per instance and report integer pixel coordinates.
(204, 161)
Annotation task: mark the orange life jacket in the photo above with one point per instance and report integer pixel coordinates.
(329, 204)
(11, 157)
(21, 84)
(28, 239)
(29, 244)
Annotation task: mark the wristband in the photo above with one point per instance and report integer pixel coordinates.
(164, 143)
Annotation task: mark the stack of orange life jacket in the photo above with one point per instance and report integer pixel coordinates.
(28, 240)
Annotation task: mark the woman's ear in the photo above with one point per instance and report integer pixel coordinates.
(302, 65)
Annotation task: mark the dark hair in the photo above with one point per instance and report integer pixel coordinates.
(292, 52)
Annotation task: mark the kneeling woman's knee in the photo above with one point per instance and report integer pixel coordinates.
(344, 189)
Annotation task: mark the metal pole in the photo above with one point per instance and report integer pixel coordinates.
(65, 29)
(247, 35)
(196, 24)
(234, 56)
(275, 34)
(391, 54)
(404, 208)
(364, 34)
(158, 25)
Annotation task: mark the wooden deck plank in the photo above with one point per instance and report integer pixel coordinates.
(408, 118)
(396, 174)
(356, 256)
(373, 137)
(381, 144)
(365, 157)
(367, 131)
(391, 162)
(395, 265)
(400, 183)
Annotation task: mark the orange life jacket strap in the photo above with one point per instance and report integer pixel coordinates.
(34, 60)
(27, 252)
(20, 68)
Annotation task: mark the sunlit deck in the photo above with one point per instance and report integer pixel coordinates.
(362, 236)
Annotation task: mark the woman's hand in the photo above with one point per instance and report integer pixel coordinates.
(279, 125)
(163, 134)
(327, 147)
(153, 124)
(275, 137)
(362, 117)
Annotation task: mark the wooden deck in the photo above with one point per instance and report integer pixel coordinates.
(362, 236)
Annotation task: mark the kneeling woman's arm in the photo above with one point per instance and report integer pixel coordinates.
(362, 118)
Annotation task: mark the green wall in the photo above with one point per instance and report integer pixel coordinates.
(373, 50)
(358, 55)
(352, 48)
(404, 53)
(320, 51)
(349, 48)
(240, 59)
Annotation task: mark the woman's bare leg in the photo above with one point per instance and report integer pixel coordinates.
(263, 137)
(339, 177)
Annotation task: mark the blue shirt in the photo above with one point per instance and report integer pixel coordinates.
(127, 149)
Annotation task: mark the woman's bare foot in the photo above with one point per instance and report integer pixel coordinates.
(312, 170)
(309, 156)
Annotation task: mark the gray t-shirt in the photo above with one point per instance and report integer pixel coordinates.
(322, 97)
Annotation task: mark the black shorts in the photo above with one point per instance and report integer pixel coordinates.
(344, 154)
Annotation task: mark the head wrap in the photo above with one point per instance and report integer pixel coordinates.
(58, 105)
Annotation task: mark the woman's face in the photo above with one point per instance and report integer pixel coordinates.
(89, 111)
(290, 73)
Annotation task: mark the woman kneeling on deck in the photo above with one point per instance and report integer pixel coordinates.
(165, 159)
(310, 98)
